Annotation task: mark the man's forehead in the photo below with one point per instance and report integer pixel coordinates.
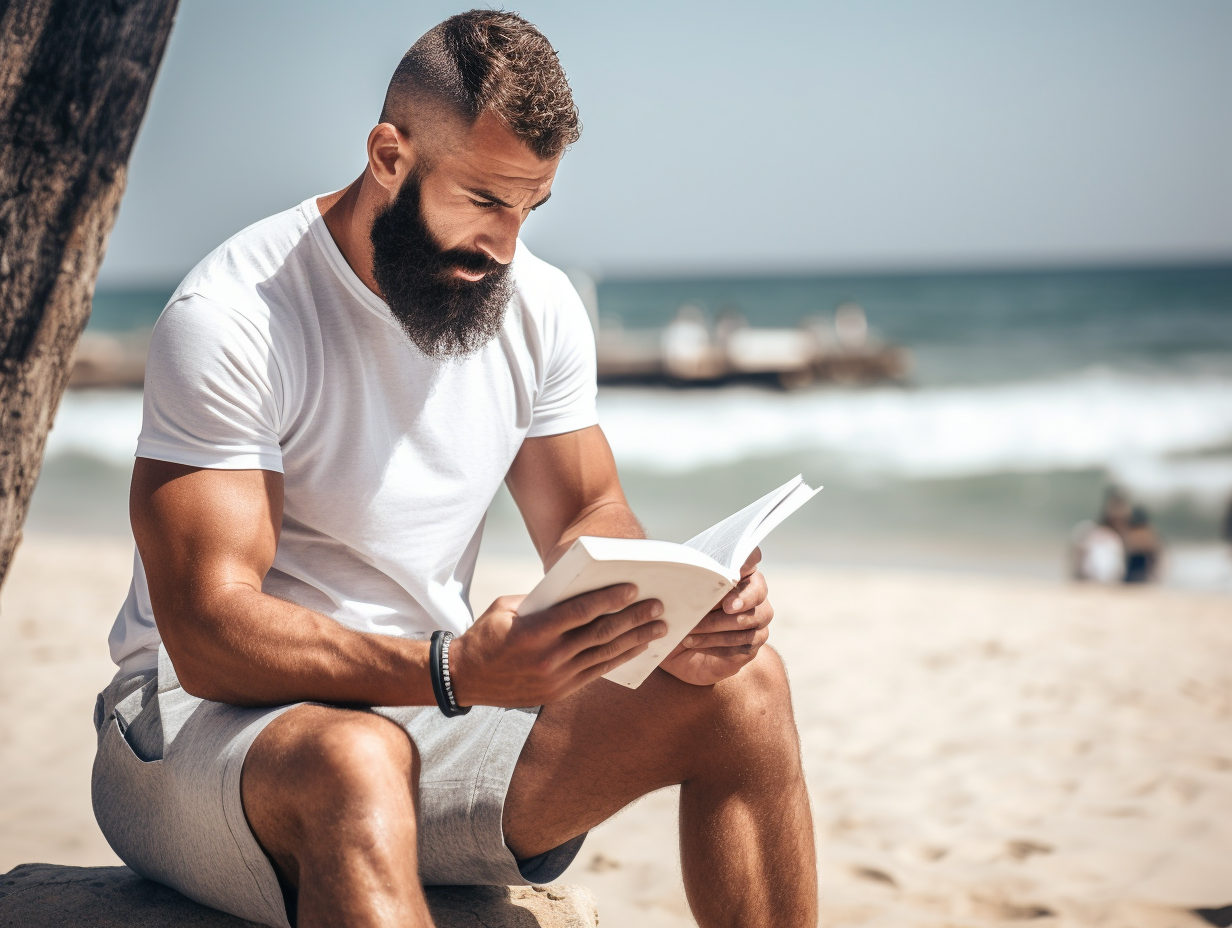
(490, 156)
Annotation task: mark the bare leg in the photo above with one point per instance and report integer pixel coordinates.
(330, 794)
(746, 830)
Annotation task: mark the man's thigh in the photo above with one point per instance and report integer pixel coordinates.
(456, 772)
(590, 755)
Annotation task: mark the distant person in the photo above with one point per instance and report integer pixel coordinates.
(1097, 549)
(1142, 548)
(1097, 553)
(308, 716)
(1116, 511)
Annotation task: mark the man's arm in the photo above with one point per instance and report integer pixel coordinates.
(207, 539)
(567, 486)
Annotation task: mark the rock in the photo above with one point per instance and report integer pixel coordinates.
(49, 896)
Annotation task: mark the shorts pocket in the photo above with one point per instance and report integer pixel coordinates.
(127, 798)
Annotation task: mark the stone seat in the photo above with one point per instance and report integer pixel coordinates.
(51, 896)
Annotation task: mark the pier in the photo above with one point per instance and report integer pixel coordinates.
(690, 351)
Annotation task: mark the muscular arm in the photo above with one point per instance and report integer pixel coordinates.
(566, 486)
(208, 537)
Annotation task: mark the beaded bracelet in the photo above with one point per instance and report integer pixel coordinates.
(438, 666)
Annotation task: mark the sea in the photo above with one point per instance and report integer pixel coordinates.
(1030, 393)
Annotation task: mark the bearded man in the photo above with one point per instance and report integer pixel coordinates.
(333, 397)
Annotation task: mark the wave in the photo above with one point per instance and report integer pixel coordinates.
(1134, 427)
(1096, 420)
(100, 424)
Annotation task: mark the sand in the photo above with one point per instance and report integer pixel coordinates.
(980, 751)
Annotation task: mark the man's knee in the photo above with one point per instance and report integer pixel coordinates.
(330, 765)
(753, 710)
(362, 756)
(758, 692)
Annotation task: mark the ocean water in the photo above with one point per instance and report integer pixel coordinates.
(1029, 394)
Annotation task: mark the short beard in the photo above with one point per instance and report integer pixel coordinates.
(444, 315)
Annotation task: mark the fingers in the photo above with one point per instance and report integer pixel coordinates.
(721, 630)
(751, 562)
(720, 621)
(594, 673)
(582, 609)
(622, 648)
(748, 594)
(746, 642)
(608, 630)
(740, 653)
(737, 639)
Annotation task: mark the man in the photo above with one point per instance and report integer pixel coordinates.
(332, 399)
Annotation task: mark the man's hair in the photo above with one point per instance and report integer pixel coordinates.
(488, 61)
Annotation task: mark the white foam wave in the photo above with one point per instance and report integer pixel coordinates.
(1133, 427)
(101, 424)
(1206, 481)
(1099, 419)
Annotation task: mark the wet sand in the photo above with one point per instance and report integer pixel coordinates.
(980, 751)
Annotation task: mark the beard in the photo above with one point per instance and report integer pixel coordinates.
(444, 315)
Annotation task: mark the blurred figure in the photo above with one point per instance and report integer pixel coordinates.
(1097, 553)
(1142, 548)
(1116, 511)
(1227, 524)
(1097, 549)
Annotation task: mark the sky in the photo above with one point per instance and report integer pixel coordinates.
(724, 137)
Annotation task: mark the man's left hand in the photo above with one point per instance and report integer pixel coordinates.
(730, 635)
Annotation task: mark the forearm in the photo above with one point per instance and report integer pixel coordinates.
(244, 647)
(606, 519)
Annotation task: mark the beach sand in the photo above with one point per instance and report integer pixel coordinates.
(980, 751)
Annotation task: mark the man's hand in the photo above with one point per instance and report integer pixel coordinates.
(505, 659)
(729, 636)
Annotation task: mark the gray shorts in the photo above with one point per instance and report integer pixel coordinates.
(166, 791)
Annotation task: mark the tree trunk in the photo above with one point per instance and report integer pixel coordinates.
(75, 78)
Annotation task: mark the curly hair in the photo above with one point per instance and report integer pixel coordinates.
(490, 61)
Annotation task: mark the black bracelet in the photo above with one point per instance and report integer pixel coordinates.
(438, 667)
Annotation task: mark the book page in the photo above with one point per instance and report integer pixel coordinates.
(730, 541)
(800, 494)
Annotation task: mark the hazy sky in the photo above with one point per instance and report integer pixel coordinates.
(738, 136)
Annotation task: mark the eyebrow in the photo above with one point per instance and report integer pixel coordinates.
(499, 202)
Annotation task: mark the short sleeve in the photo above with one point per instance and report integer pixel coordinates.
(566, 400)
(212, 390)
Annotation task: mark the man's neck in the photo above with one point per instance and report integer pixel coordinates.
(348, 215)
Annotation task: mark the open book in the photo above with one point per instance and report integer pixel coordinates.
(689, 579)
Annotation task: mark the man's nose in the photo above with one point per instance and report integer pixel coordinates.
(500, 235)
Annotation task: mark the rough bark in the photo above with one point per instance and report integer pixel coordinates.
(75, 78)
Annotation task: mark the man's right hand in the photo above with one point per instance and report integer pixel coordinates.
(512, 660)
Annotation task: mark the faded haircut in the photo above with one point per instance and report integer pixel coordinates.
(488, 61)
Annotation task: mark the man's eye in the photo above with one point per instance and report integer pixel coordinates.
(483, 204)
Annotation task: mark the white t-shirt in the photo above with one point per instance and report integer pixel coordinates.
(273, 355)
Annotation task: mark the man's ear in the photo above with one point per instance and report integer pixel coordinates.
(390, 156)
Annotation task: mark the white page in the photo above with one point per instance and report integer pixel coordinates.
(728, 541)
(800, 494)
